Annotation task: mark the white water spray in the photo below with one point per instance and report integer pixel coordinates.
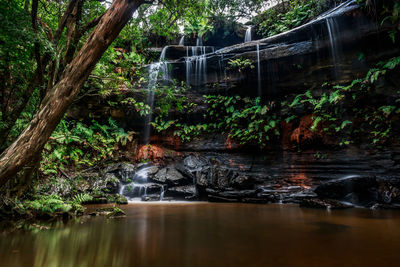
(182, 41)
(247, 37)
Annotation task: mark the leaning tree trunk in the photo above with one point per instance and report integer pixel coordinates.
(32, 140)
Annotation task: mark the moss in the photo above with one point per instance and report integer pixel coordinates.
(116, 212)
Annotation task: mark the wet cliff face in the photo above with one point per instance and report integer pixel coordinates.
(326, 49)
(214, 167)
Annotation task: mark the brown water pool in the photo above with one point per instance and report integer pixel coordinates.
(208, 234)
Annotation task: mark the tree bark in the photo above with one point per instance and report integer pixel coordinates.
(32, 140)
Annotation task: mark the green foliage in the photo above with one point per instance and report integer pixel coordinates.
(243, 119)
(275, 20)
(74, 143)
(198, 26)
(82, 198)
(371, 122)
(240, 64)
(48, 205)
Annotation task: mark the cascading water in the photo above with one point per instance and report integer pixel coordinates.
(333, 32)
(138, 186)
(247, 37)
(182, 41)
(162, 193)
(258, 71)
(154, 71)
(199, 41)
(197, 61)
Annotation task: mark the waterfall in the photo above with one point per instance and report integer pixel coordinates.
(258, 71)
(333, 33)
(162, 192)
(164, 65)
(197, 62)
(188, 66)
(199, 41)
(247, 37)
(182, 41)
(154, 71)
(139, 185)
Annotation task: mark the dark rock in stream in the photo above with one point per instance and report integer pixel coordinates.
(132, 191)
(179, 192)
(367, 191)
(169, 175)
(154, 197)
(324, 204)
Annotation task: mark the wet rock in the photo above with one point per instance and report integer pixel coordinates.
(119, 199)
(115, 213)
(154, 197)
(160, 176)
(186, 191)
(152, 170)
(214, 198)
(201, 179)
(169, 175)
(324, 204)
(231, 194)
(125, 172)
(386, 207)
(243, 182)
(362, 186)
(111, 184)
(174, 176)
(150, 152)
(195, 164)
(138, 190)
(110, 212)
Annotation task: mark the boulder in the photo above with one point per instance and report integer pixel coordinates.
(242, 182)
(125, 172)
(186, 191)
(364, 187)
(169, 175)
(324, 204)
(134, 191)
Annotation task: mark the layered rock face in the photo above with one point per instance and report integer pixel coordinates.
(325, 49)
(336, 179)
(214, 168)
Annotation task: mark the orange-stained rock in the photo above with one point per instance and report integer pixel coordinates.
(231, 144)
(150, 152)
(303, 133)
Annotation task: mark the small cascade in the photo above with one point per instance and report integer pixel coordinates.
(162, 193)
(258, 71)
(164, 65)
(139, 185)
(154, 71)
(188, 65)
(247, 37)
(153, 75)
(199, 41)
(197, 62)
(182, 41)
(333, 31)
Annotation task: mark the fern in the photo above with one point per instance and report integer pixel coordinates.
(82, 198)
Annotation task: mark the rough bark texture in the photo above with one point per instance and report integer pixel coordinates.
(59, 98)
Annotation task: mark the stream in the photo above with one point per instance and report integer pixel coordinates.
(209, 234)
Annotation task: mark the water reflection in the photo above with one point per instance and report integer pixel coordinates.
(204, 234)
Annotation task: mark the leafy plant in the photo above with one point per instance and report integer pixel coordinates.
(74, 143)
(240, 64)
(82, 198)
